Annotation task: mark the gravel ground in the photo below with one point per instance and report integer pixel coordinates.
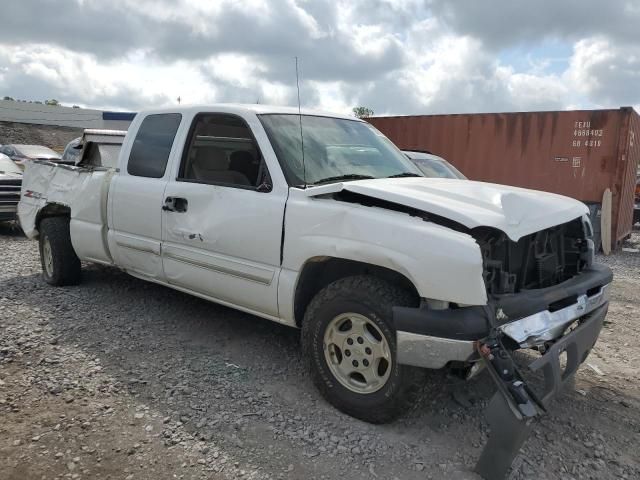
(51, 136)
(119, 378)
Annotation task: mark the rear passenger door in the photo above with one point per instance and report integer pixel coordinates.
(136, 196)
(223, 217)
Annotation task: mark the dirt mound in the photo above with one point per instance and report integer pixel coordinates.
(51, 136)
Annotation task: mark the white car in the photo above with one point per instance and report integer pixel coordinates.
(433, 166)
(10, 183)
(382, 269)
(22, 154)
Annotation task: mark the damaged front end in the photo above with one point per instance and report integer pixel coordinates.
(548, 283)
(516, 403)
(535, 261)
(544, 293)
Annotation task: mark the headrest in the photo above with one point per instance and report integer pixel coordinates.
(240, 157)
(210, 158)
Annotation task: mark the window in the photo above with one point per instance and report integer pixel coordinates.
(222, 151)
(152, 145)
(433, 166)
(335, 149)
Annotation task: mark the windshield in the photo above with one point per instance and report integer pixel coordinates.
(334, 150)
(438, 169)
(434, 166)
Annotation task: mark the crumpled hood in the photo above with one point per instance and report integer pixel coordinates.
(515, 211)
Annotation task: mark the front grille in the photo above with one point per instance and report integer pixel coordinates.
(9, 193)
(539, 260)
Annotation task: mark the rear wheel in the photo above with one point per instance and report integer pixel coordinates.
(60, 264)
(349, 340)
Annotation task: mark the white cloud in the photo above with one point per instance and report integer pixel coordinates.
(533, 92)
(396, 56)
(79, 78)
(606, 72)
(239, 70)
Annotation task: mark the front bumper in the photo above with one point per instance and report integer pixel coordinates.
(564, 321)
(8, 212)
(576, 344)
(433, 338)
(541, 327)
(515, 403)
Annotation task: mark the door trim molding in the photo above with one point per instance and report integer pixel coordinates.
(220, 269)
(136, 247)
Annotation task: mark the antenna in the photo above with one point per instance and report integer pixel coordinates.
(304, 170)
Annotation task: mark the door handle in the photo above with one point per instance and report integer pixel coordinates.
(175, 204)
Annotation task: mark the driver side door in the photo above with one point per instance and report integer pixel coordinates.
(222, 220)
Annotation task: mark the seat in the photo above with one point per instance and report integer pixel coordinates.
(210, 165)
(244, 162)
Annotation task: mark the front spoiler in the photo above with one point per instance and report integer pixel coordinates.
(510, 417)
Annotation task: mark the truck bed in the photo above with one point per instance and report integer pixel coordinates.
(82, 190)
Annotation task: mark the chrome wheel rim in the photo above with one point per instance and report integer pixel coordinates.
(47, 257)
(357, 353)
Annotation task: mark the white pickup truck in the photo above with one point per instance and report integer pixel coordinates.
(319, 222)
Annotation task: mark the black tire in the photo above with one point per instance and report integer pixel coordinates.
(372, 298)
(65, 264)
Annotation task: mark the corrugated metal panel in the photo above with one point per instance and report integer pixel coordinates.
(628, 161)
(574, 153)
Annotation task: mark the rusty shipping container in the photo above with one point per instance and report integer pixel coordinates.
(575, 153)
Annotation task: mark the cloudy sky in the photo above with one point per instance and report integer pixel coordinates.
(395, 56)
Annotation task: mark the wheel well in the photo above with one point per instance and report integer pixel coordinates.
(319, 272)
(52, 210)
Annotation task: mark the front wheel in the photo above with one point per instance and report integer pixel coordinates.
(60, 264)
(349, 340)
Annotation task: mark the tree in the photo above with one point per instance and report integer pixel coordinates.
(362, 112)
(53, 102)
(9, 98)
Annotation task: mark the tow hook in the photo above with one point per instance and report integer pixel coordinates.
(510, 412)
